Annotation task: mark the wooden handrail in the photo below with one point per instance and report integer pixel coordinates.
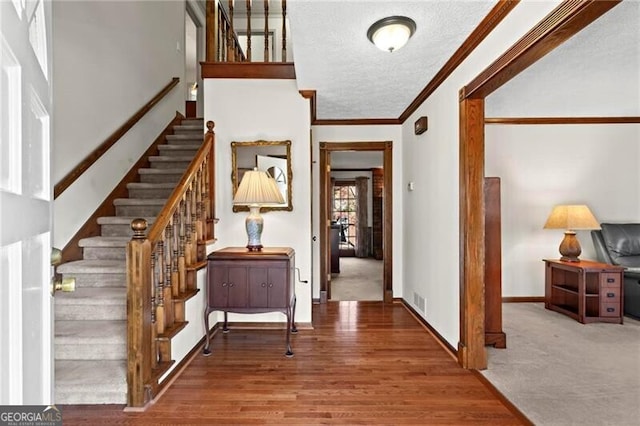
(90, 159)
(176, 196)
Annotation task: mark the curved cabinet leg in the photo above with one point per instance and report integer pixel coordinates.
(294, 329)
(289, 352)
(225, 328)
(206, 351)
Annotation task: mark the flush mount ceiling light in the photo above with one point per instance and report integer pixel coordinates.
(391, 33)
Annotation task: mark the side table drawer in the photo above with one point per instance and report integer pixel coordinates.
(610, 279)
(610, 295)
(610, 309)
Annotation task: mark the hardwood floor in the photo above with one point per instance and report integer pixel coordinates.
(363, 363)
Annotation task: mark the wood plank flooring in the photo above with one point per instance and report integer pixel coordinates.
(364, 363)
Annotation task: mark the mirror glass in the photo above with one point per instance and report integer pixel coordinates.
(274, 157)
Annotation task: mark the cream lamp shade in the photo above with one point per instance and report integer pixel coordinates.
(571, 218)
(256, 189)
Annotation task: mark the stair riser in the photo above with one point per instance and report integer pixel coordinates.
(95, 396)
(193, 122)
(105, 253)
(117, 230)
(109, 351)
(150, 192)
(100, 280)
(178, 152)
(184, 140)
(194, 132)
(142, 211)
(160, 178)
(80, 312)
(169, 164)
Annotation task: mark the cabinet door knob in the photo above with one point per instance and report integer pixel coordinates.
(230, 284)
(270, 285)
(224, 284)
(263, 285)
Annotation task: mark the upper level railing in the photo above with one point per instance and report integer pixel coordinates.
(246, 31)
(161, 273)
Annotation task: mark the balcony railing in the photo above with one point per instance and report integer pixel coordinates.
(247, 31)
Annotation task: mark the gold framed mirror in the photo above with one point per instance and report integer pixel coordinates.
(274, 157)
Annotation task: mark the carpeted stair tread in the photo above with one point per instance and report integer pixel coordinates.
(123, 220)
(88, 332)
(171, 158)
(91, 382)
(168, 148)
(94, 296)
(151, 185)
(139, 201)
(104, 242)
(93, 266)
(156, 171)
(188, 128)
(185, 137)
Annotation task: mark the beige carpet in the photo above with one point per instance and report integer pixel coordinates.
(359, 279)
(560, 372)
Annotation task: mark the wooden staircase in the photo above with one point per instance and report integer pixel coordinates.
(91, 323)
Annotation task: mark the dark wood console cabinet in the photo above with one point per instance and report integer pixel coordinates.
(248, 282)
(585, 291)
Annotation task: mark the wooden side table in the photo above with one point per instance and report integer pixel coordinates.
(585, 291)
(247, 282)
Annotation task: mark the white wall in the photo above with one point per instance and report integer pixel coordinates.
(110, 58)
(378, 133)
(544, 165)
(249, 110)
(431, 212)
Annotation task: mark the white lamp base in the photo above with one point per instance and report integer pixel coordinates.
(254, 225)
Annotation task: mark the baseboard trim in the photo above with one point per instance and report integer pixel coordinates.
(510, 406)
(523, 299)
(446, 345)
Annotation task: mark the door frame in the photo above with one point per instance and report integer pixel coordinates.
(326, 148)
(562, 23)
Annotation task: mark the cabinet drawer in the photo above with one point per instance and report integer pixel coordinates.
(609, 309)
(610, 279)
(610, 295)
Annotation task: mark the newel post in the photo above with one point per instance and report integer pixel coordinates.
(138, 315)
(211, 182)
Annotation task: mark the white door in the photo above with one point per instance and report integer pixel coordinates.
(25, 203)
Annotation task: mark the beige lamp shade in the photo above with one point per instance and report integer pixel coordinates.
(571, 217)
(257, 187)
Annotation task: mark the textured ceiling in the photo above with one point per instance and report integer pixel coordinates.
(354, 79)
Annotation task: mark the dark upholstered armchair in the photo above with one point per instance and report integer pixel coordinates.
(619, 244)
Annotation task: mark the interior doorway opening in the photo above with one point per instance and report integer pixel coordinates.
(355, 210)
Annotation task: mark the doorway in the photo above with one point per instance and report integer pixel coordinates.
(344, 233)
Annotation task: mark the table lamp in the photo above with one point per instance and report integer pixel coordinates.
(571, 218)
(256, 189)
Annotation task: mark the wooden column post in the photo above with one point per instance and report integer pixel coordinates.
(471, 351)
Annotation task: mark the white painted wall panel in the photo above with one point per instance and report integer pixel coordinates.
(110, 59)
(249, 110)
